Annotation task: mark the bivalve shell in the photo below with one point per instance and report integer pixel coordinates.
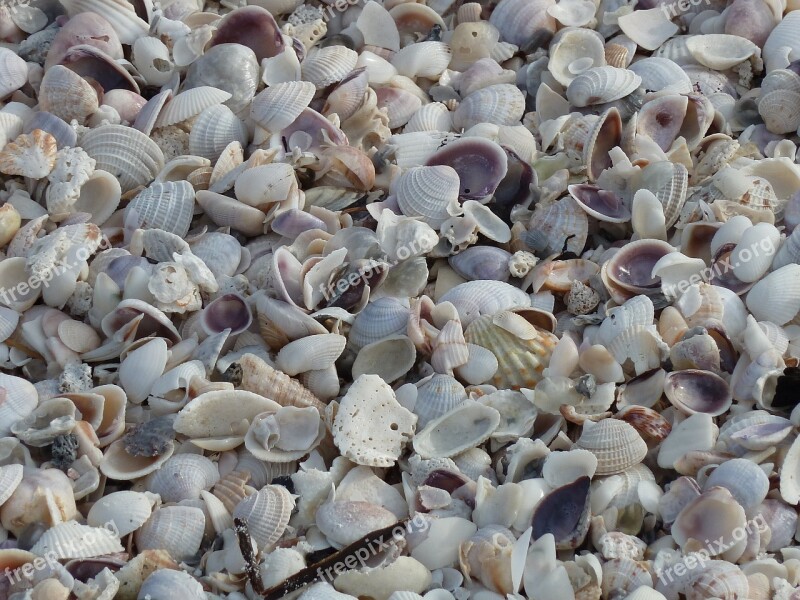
(127, 510)
(73, 540)
(176, 529)
(466, 426)
(128, 154)
(602, 84)
(166, 206)
(616, 444)
(266, 514)
(215, 128)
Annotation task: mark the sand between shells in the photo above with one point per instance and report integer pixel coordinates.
(398, 300)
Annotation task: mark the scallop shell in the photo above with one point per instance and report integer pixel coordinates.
(429, 192)
(126, 510)
(475, 299)
(129, 155)
(183, 477)
(381, 318)
(163, 582)
(266, 514)
(466, 426)
(212, 131)
(519, 21)
(437, 396)
(780, 110)
(124, 20)
(166, 206)
(776, 297)
(10, 477)
(370, 427)
(430, 117)
(616, 444)
(13, 72)
(73, 540)
(190, 103)
(599, 85)
(522, 350)
(279, 105)
(501, 104)
(744, 479)
(328, 65)
(67, 95)
(176, 529)
(669, 183)
(662, 75)
(29, 155)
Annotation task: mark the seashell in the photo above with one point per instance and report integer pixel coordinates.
(73, 540)
(648, 28)
(215, 128)
(400, 105)
(381, 318)
(574, 50)
(279, 105)
(744, 479)
(466, 426)
(715, 512)
(600, 85)
(562, 468)
(487, 557)
(126, 510)
(425, 59)
(129, 155)
(13, 72)
(160, 584)
(471, 44)
(501, 104)
(429, 192)
(348, 95)
(328, 65)
(560, 225)
(389, 358)
(10, 478)
(370, 426)
(253, 27)
(564, 513)
(669, 183)
(632, 267)
(720, 51)
(176, 529)
(782, 45)
(436, 396)
(519, 22)
(311, 353)
(19, 400)
(213, 69)
(166, 206)
(285, 435)
(662, 75)
(267, 514)
(481, 263)
(616, 444)
(779, 110)
(43, 496)
(471, 156)
(149, 114)
(53, 417)
(790, 474)
(360, 517)
(413, 20)
(227, 212)
(697, 432)
(183, 477)
(600, 204)
(141, 368)
(226, 312)
(378, 28)
(29, 155)
(624, 575)
(151, 58)
(67, 95)
(190, 103)
(780, 288)
(694, 391)
(261, 378)
(125, 22)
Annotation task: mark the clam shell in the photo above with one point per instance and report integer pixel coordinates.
(10, 477)
(662, 75)
(437, 396)
(176, 529)
(776, 297)
(311, 353)
(616, 444)
(695, 391)
(183, 477)
(389, 358)
(466, 426)
(475, 299)
(266, 514)
(501, 104)
(600, 85)
(573, 51)
(129, 155)
(166, 206)
(67, 95)
(30, 155)
(519, 21)
(381, 318)
(279, 105)
(328, 65)
(425, 59)
(73, 540)
(19, 400)
(215, 128)
(118, 464)
(126, 23)
(13, 72)
(126, 510)
(429, 192)
(164, 582)
(190, 103)
(343, 522)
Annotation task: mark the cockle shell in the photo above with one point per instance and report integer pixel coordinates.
(266, 514)
(279, 105)
(183, 477)
(166, 206)
(13, 72)
(429, 192)
(67, 95)
(73, 540)
(520, 21)
(212, 131)
(132, 157)
(328, 65)
(600, 85)
(560, 224)
(190, 103)
(176, 529)
(501, 104)
(616, 444)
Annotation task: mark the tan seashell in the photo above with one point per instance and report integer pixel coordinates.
(363, 518)
(118, 464)
(29, 155)
(616, 444)
(176, 529)
(266, 514)
(311, 353)
(259, 377)
(370, 427)
(67, 95)
(227, 212)
(43, 496)
(471, 42)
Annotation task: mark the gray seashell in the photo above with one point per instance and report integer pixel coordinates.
(381, 318)
(662, 75)
(126, 153)
(58, 128)
(466, 426)
(151, 438)
(482, 262)
(437, 396)
(266, 514)
(150, 112)
(744, 479)
(476, 298)
(183, 477)
(164, 583)
(214, 69)
(277, 106)
(215, 128)
(166, 206)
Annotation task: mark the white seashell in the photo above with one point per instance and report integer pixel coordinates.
(176, 529)
(424, 59)
(648, 28)
(73, 540)
(476, 298)
(389, 358)
(165, 206)
(328, 65)
(382, 318)
(127, 510)
(697, 432)
(152, 60)
(141, 368)
(279, 105)
(602, 84)
(126, 23)
(436, 396)
(163, 583)
(190, 103)
(29, 155)
(215, 128)
(286, 434)
(67, 95)
(776, 298)
(779, 110)
(311, 353)
(783, 44)
(10, 478)
(662, 75)
(466, 426)
(19, 400)
(561, 468)
(501, 104)
(227, 212)
(370, 426)
(754, 253)
(720, 51)
(430, 193)
(183, 477)
(13, 72)
(266, 514)
(129, 155)
(616, 444)
(361, 518)
(744, 479)
(519, 21)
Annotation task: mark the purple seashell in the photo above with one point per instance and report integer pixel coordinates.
(306, 130)
(480, 163)
(119, 268)
(600, 204)
(722, 272)
(564, 512)
(481, 262)
(84, 569)
(791, 214)
(226, 312)
(515, 188)
(294, 221)
(148, 114)
(58, 128)
(251, 26)
(95, 65)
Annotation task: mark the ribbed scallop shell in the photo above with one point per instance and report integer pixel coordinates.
(13, 72)
(780, 79)
(266, 514)
(662, 74)
(176, 529)
(166, 206)
(780, 110)
(215, 128)
(10, 476)
(669, 182)
(73, 540)
(126, 23)
(466, 426)
(429, 192)
(776, 298)
(183, 477)
(328, 65)
(381, 318)
(551, 226)
(277, 106)
(233, 488)
(431, 117)
(628, 491)
(310, 353)
(437, 396)
(785, 35)
(718, 579)
(520, 20)
(602, 84)
(190, 103)
(127, 510)
(67, 95)
(482, 297)
(424, 59)
(18, 398)
(126, 153)
(521, 360)
(616, 444)
(500, 104)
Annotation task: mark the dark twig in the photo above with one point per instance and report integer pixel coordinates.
(250, 561)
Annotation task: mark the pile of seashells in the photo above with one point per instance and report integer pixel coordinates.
(395, 300)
